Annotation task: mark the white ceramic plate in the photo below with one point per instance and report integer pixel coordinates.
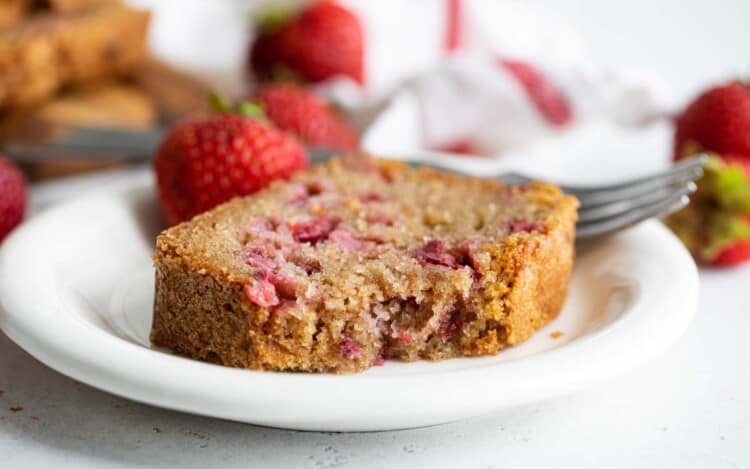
(76, 287)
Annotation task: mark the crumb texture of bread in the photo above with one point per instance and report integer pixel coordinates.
(362, 260)
(47, 52)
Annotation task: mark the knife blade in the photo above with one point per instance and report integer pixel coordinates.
(87, 143)
(99, 144)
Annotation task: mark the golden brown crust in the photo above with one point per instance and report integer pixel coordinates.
(11, 12)
(48, 52)
(381, 302)
(67, 6)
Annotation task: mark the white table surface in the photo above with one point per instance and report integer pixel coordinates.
(688, 408)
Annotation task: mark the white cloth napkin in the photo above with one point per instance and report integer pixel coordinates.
(434, 78)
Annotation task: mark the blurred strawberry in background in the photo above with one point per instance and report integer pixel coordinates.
(323, 40)
(12, 197)
(718, 120)
(298, 111)
(715, 227)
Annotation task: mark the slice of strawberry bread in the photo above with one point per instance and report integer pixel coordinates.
(363, 260)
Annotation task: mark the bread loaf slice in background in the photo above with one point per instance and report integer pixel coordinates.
(49, 52)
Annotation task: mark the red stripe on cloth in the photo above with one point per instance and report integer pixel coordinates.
(461, 147)
(547, 98)
(452, 40)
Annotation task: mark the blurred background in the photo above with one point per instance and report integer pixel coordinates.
(620, 63)
(689, 43)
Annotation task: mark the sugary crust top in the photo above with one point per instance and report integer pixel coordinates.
(396, 207)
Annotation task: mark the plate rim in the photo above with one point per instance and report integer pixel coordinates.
(19, 319)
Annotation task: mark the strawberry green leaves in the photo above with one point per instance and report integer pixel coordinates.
(718, 217)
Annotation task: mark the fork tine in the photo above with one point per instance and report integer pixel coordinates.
(638, 188)
(608, 210)
(596, 228)
(687, 169)
(683, 171)
(684, 165)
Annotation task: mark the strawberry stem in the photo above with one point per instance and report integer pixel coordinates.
(272, 18)
(719, 212)
(251, 109)
(219, 103)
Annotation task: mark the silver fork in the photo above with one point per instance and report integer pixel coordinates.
(609, 208)
(604, 210)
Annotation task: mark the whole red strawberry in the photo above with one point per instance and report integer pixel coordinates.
(718, 121)
(298, 111)
(12, 197)
(715, 227)
(322, 41)
(207, 161)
